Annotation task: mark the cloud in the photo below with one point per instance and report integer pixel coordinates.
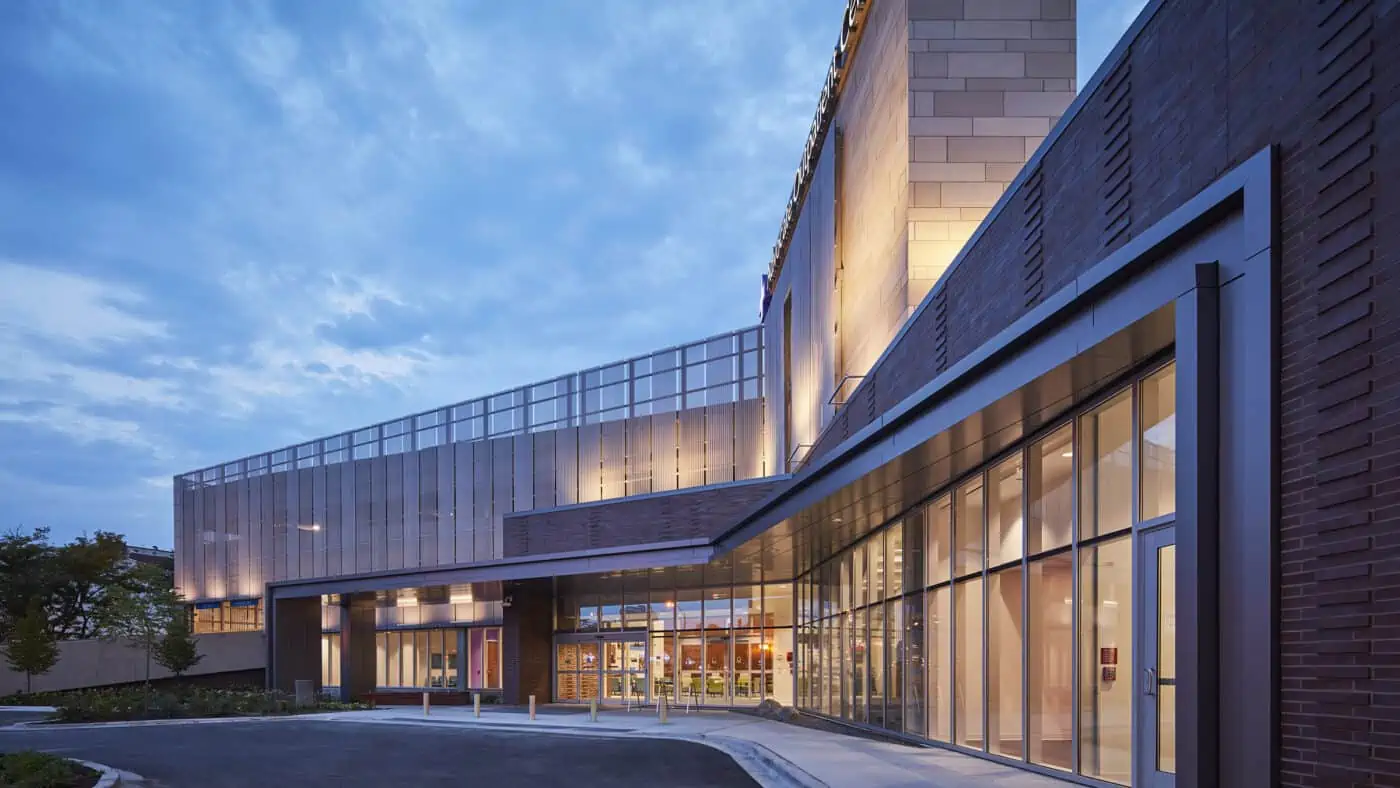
(53, 305)
(228, 227)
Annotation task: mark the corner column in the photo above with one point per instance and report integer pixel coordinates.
(528, 632)
(294, 644)
(358, 665)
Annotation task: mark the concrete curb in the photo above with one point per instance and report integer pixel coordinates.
(34, 709)
(110, 778)
(74, 726)
(766, 767)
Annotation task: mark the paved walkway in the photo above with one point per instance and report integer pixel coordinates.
(790, 753)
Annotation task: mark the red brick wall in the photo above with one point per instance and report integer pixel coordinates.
(1207, 84)
(527, 649)
(702, 513)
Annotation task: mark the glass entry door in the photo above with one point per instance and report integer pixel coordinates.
(1156, 750)
(611, 669)
(624, 671)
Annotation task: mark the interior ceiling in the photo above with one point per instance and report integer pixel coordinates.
(795, 544)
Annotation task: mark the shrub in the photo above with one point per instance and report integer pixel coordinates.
(30, 769)
(135, 703)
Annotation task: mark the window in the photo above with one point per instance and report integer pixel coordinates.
(1158, 443)
(1051, 661)
(1004, 628)
(1050, 486)
(969, 525)
(1106, 661)
(938, 521)
(1004, 512)
(788, 442)
(985, 653)
(967, 663)
(1106, 467)
(939, 657)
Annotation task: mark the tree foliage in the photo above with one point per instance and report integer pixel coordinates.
(139, 610)
(27, 572)
(71, 580)
(85, 569)
(31, 648)
(178, 651)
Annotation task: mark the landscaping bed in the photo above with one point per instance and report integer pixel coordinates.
(138, 703)
(30, 769)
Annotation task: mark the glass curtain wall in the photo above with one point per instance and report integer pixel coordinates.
(428, 658)
(998, 615)
(719, 645)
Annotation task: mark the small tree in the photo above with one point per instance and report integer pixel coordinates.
(31, 649)
(178, 651)
(138, 611)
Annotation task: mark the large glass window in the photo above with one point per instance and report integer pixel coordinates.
(1158, 443)
(894, 560)
(330, 659)
(967, 667)
(939, 656)
(1050, 484)
(938, 523)
(777, 604)
(914, 666)
(717, 611)
(1106, 660)
(1106, 467)
(1004, 512)
(875, 690)
(1004, 636)
(969, 525)
(1020, 639)
(895, 661)
(1050, 665)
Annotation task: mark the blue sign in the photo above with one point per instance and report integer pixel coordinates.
(207, 605)
(243, 603)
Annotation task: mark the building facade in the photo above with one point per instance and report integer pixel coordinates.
(1065, 438)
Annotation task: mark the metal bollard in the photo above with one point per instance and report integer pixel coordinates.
(663, 711)
(532, 707)
(593, 710)
(476, 704)
(425, 704)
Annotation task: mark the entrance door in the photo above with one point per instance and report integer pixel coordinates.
(1156, 750)
(610, 669)
(624, 671)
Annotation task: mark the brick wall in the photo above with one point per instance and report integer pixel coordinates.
(682, 515)
(527, 631)
(1207, 84)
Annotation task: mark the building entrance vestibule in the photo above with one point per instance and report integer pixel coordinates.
(610, 668)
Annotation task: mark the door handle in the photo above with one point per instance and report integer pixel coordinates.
(1149, 676)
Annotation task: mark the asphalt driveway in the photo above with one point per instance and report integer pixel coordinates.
(320, 753)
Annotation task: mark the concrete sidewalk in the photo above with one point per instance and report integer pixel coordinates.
(775, 753)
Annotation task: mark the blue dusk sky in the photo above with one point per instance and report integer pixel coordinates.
(230, 226)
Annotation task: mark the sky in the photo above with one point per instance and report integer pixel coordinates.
(228, 227)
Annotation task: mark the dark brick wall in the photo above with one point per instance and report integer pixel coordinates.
(1207, 84)
(528, 633)
(683, 515)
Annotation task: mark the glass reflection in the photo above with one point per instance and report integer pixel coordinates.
(969, 525)
(1158, 443)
